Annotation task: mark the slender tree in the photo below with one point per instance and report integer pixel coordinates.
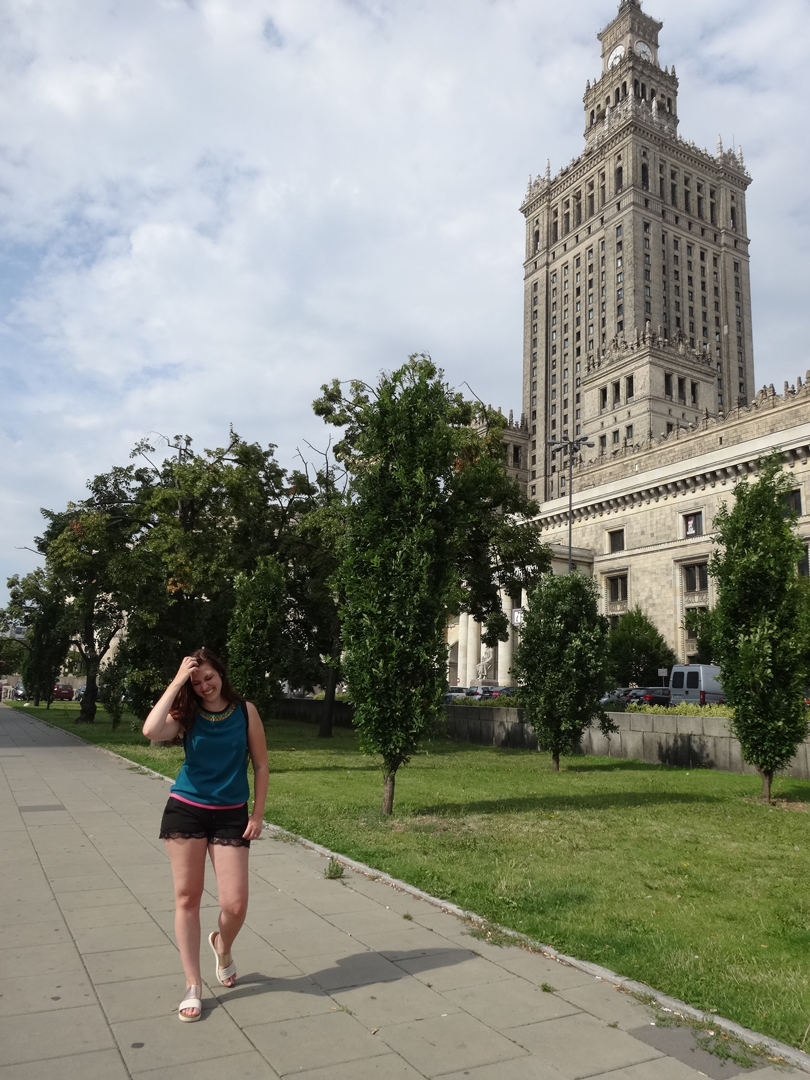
(760, 635)
(255, 633)
(637, 650)
(562, 662)
(429, 491)
(38, 605)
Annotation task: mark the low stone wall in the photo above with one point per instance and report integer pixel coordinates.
(690, 742)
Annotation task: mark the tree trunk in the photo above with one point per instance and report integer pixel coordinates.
(36, 698)
(87, 713)
(327, 716)
(767, 780)
(388, 793)
(555, 761)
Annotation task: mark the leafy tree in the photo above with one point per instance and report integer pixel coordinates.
(255, 644)
(702, 623)
(428, 496)
(637, 650)
(37, 603)
(761, 622)
(11, 656)
(562, 662)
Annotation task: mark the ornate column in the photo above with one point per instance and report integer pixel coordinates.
(473, 651)
(505, 647)
(461, 668)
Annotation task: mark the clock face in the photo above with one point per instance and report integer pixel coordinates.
(644, 50)
(616, 56)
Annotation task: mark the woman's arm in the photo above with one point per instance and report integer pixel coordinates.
(158, 726)
(257, 745)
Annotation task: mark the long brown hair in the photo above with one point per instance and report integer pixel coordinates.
(187, 703)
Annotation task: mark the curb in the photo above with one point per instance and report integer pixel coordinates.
(788, 1054)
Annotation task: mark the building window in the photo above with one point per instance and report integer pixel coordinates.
(668, 386)
(696, 578)
(804, 565)
(628, 433)
(628, 387)
(693, 524)
(616, 540)
(618, 589)
(603, 441)
(793, 503)
(615, 438)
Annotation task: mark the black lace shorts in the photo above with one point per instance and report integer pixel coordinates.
(182, 821)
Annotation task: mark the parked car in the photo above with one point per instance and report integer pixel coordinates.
(19, 692)
(63, 692)
(504, 691)
(696, 684)
(649, 695)
(480, 692)
(454, 695)
(80, 692)
(615, 697)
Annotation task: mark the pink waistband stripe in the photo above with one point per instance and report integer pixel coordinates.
(205, 806)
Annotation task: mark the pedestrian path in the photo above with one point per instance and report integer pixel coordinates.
(338, 980)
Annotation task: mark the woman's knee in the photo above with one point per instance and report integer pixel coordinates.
(188, 899)
(234, 907)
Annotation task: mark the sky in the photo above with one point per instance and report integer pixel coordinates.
(208, 208)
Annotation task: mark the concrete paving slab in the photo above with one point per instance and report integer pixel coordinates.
(92, 918)
(449, 969)
(580, 1046)
(393, 1003)
(50, 932)
(45, 993)
(141, 999)
(662, 1069)
(161, 1042)
(78, 901)
(39, 960)
(313, 1042)
(449, 1043)
(681, 1044)
(525, 1068)
(372, 920)
(250, 1066)
(604, 1001)
(105, 967)
(269, 1001)
(134, 935)
(405, 944)
(538, 969)
(386, 1067)
(510, 1003)
(69, 1031)
(101, 1065)
(355, 969)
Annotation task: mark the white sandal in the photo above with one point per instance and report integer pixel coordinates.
(222, 973)
(191, 1001)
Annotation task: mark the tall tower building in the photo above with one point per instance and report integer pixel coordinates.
(637, 292)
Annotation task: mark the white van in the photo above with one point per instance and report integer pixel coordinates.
(696, 684)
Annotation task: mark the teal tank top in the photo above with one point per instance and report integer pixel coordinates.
(214, 773)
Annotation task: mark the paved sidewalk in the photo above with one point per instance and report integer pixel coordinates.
(338, 980)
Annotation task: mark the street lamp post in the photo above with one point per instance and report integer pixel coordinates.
(571, 446)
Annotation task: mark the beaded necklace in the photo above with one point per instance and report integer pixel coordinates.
(217, 716)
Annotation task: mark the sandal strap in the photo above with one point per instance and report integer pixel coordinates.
(191, 1000)
(227, 972)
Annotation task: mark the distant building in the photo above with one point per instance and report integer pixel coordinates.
(638, 336)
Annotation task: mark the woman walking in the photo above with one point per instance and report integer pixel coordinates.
(207, 811)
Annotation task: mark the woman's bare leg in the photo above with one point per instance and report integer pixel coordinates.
(231, 869)
(188, 869)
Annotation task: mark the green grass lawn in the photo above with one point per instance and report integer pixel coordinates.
(679, 879)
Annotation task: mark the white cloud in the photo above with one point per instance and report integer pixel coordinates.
(209, 208)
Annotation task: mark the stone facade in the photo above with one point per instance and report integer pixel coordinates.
(638, 336)
(636, 284)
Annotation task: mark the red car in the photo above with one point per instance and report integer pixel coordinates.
(63, 693)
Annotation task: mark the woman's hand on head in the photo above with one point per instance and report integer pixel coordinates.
(188, 665)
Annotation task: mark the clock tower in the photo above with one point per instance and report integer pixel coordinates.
(637, 303)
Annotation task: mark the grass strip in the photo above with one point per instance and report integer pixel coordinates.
(679, 879)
